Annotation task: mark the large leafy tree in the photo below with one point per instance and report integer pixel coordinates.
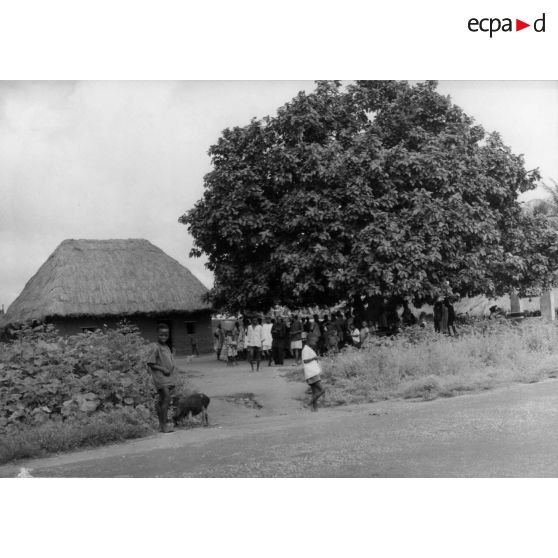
(547, 206)
(378, 189)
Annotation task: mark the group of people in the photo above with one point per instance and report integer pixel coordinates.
(256, 340)
(272, 339)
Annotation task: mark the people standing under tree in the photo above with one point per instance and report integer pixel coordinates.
(279, 333)
(245, 325)
(383, 316)
(355, 336)
(267, 341)
(288, 352)
(274, 339)
(314, 333)
(254, 339)
(233, 349)
(312, 371)
(332, 338)
(348, 322)
(338, 323)
(451, 315)
(321, 348)
(364, 333)
(305, 329)
(240, 336)
(163, 371)
(444, 321)
(296, 339)
(219, 340)
(230, 349)
(407, 318)
(438, 314)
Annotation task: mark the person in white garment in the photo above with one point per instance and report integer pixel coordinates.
(312, 371)
(267, 340)
(355, 336)
(254, 339)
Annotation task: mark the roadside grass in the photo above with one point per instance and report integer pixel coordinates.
(420, 364)
(26, 442)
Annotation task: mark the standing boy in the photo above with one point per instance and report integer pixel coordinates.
(267, 341)
(163, 371)
(279, 339)
(312, 371)
(332, 338)
(296, 339)
(219, 340)
(254, 340)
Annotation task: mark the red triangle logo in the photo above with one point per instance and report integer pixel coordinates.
(519, 25)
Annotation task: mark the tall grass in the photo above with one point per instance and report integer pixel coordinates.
(425, 365)
(27, 442)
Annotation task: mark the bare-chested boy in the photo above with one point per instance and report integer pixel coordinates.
(163, 370)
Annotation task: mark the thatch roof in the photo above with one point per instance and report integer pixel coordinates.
(107, 278)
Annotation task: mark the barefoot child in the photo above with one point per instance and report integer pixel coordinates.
(253, 342)
(312, 370)
(230, 346)
(163, 371)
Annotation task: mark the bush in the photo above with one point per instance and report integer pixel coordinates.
(421, 364)
(59, 393)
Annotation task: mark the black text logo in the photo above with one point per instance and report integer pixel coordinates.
(493, 25)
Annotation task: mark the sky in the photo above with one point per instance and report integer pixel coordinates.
(126, 159)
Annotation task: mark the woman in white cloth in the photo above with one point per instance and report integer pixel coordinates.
(267, 340)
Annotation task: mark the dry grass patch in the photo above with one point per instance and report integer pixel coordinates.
(424, 365)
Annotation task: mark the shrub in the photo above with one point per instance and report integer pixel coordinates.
(58, 393)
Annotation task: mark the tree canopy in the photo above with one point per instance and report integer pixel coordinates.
(377, 189)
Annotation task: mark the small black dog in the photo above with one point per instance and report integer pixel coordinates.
(187, 406)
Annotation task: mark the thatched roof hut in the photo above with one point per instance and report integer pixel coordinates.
(108, 278)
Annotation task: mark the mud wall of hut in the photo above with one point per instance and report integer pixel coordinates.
(181, 325)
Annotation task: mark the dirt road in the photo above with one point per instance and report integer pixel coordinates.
(507, 432)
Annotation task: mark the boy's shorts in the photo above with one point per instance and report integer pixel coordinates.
(296, 344)
(313, 379)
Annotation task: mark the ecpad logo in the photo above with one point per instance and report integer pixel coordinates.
(492, 25)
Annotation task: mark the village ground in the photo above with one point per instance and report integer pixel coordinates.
(261, 427)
